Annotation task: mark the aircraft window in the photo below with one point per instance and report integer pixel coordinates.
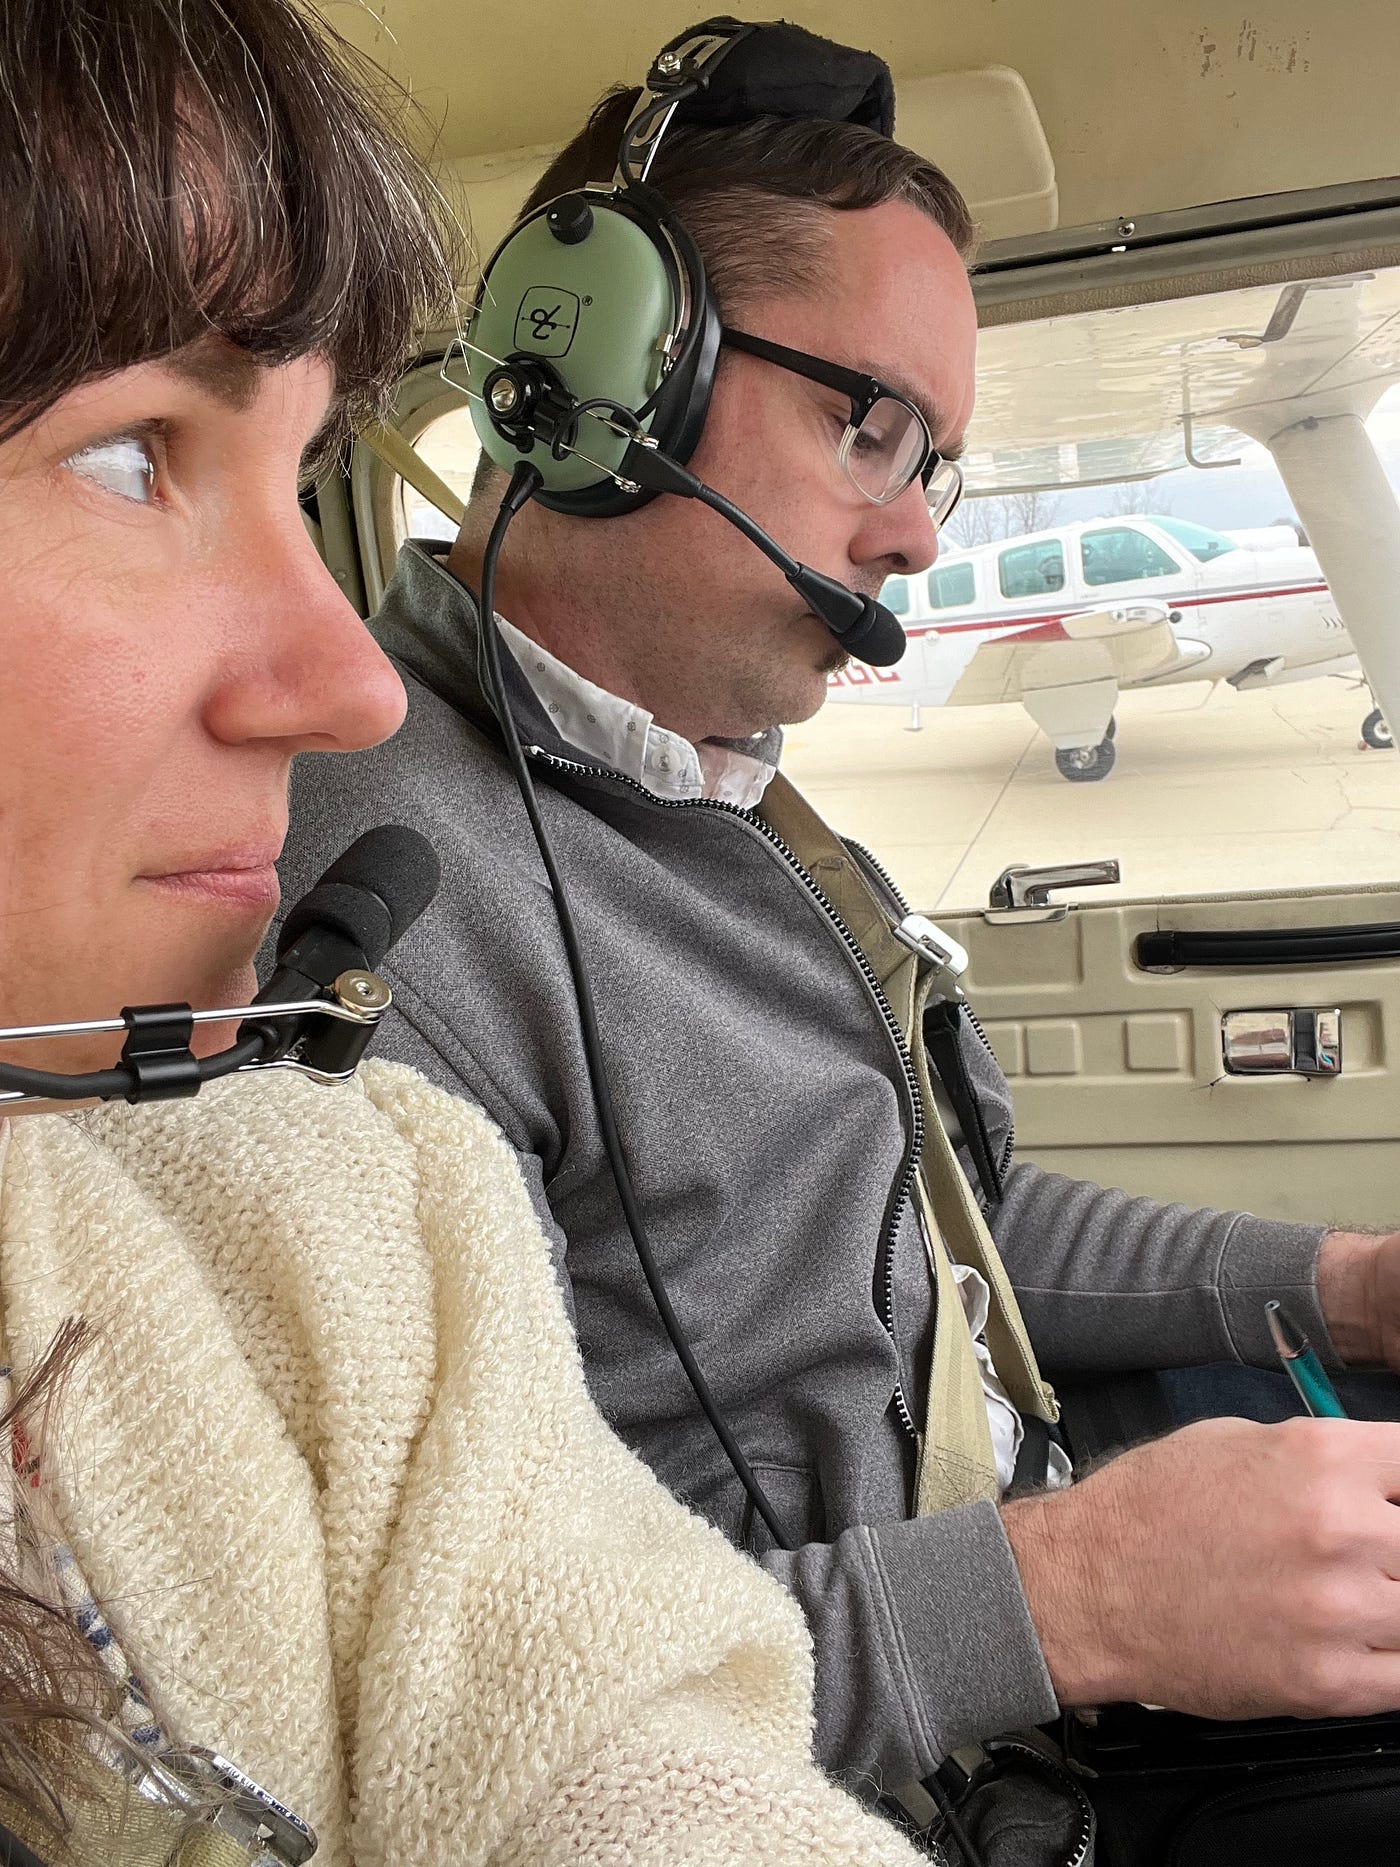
(1211, 728)
(951, 585)
(1200, 540)
(451, 447)
(1120, 555)
(895, 596)
(1032, 570)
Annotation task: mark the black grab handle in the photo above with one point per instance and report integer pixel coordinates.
(1270, 946)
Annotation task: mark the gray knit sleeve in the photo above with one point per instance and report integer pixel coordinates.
(1109, 1282)
(923, 1642)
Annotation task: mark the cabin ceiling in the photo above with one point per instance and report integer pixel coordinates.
(1146, 104)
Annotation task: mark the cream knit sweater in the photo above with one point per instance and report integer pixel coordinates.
(332, 1472)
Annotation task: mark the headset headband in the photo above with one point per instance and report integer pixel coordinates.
(723, 72)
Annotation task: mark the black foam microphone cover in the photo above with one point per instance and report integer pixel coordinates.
(863, 627)
(371, 895)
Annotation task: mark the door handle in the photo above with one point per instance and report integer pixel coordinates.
(1024, 892)
(1301, 1041)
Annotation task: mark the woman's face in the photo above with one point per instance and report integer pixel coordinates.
(169, 641)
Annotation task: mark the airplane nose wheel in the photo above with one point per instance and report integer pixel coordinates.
(1088, 764)
(1375, 730)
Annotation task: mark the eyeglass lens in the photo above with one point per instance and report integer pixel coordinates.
(884, 453)
(882, 456)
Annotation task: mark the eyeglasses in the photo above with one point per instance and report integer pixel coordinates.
(887, 444)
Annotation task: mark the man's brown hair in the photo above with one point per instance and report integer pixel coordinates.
(170, 170)
(745, 192)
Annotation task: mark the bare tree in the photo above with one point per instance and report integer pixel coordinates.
(1003, 515)
(1136, 496)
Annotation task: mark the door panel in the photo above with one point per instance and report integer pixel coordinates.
(1118, 1073)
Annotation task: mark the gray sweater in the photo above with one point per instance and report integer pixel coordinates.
(766, 1118)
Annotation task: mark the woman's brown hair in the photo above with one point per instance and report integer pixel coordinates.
(54, 1689)
(170, 170)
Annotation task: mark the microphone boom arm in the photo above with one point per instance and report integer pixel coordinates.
(327, 1038)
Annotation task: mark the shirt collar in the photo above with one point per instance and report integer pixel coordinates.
(428, 619)
(627, 737)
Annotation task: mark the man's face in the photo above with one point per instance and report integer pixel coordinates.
(732, 643)
(170, 640)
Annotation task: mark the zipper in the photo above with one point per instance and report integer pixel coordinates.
(904, 1180)
(872, 861)
(1010, 1148)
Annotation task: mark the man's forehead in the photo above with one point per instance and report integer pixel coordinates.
(897, 305)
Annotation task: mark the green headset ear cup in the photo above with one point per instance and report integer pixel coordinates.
(603, 312)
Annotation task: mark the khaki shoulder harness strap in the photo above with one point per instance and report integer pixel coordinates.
(956, 1463)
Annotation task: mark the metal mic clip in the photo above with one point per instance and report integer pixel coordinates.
(323, 1037)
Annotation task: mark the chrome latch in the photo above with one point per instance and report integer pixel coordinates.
(1025, 892)
(1304, 1041)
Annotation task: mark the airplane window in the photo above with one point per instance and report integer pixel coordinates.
(895, 596)
(1197, 708)
(1200, 540)
(451, 447)
(1032, 570)
(1122, 554)
(951, 585)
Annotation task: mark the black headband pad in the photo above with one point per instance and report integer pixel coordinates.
(781, 70)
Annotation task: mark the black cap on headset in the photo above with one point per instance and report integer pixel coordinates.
(780, 70)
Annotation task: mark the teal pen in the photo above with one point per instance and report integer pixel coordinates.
(1301, 1366)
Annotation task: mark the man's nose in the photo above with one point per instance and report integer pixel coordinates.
(311, 676)
(901, 535)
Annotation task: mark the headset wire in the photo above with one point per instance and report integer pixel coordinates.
(525, 480)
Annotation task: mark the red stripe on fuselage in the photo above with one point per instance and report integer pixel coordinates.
(1047, 627)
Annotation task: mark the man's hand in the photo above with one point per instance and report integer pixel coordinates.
(1358, 1288)
(1230, 1569)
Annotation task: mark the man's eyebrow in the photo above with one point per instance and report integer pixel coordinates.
(220, 369)
(951, 450)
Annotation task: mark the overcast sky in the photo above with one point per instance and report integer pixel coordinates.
(1250, 494)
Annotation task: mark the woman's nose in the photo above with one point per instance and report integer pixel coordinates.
(316, 680)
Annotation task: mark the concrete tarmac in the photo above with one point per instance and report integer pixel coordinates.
(1214, 792)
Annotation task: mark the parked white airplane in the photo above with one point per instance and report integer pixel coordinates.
(1063, 620)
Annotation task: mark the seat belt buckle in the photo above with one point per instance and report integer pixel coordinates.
(219, 1793)
(943, 953)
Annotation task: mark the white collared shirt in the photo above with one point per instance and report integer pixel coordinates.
(628, 739)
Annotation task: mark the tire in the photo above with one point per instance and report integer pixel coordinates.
(1087, 764)
(1375, 730)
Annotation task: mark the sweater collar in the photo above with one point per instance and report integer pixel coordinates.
(429, 621)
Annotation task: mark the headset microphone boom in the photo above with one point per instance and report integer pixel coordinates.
(317, 1013)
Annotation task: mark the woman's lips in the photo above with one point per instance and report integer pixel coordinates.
(232, 881)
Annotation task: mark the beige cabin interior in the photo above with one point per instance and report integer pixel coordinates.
(1056, 117)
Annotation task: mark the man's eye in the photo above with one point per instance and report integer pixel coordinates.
(125, 465)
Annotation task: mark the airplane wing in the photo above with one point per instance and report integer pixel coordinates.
(1130, 645)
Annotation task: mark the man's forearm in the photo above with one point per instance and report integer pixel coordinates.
(1347, 1265)
(1110, 1283)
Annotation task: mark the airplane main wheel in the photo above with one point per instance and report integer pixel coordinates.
(1087, 764)
(1375, 730)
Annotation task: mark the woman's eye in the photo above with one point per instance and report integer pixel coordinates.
(125, 465)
